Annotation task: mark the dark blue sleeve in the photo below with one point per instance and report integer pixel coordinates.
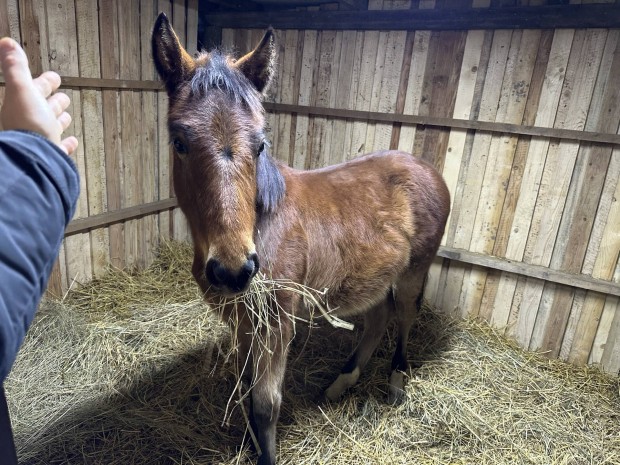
(39, 186)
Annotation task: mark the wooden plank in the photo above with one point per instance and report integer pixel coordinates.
(317, 128)
(288, 60)
(365, 82)
(610, 359)
(131, 124)
(475, 169)
(586, 202)
(109, 53)
(390, 78)
(511, 107)
(506, 310)
(375, 90)
(164, 151)
(456, 141)
(347, 149)
(447, 66)
(554, 197)
(179, 22)
(413, 96)
(109, 218)
(538, 273)
(308, 68)
(343, 95)
(89, 66)
(148, 154)
(63, 58)
(33, 20)
(604, 267)
(521, 17)
(479, 125)
(516, 177)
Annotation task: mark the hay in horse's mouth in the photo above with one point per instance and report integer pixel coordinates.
(133, 368)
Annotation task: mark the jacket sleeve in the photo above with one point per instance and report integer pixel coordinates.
(39, 186)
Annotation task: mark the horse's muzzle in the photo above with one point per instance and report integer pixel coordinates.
(228, 280)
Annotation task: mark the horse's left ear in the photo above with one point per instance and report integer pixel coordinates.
(258, 65)
(174, 65)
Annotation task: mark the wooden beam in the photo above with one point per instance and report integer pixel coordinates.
(525, 17)
(487, 261)
(105, 219)
(533, 271)
(447, 122)
(602, 138)
(72, 82)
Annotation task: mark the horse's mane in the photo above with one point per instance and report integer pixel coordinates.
(218, 74)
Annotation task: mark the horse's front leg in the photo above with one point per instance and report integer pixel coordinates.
(269, 364)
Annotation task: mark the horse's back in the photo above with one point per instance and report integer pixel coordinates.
(366, 220)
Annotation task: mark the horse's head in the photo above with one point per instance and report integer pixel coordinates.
(223, 175)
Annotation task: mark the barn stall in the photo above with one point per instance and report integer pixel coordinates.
(514, 102)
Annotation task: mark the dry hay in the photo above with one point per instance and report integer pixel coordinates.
(134, 369)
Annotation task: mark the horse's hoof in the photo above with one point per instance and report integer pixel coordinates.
(396, 393)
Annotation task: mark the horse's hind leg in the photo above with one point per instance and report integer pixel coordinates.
(375, 323)
(407, 302)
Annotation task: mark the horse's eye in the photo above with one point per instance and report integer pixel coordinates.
(261, 149)
(179, 146)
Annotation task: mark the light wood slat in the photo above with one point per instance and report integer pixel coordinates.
(109, 53)
(488, 126)
(511, 108)
(119, 216)
(308, 67)
(507, 304)
(472, 184)
(537, 272)
(504, 231)
(180, 228)
(546, 238)
(63, 58)
(164, 165)
(583, 199)
(456, 140)
(148, 153)
(89, 66)
(131, 124)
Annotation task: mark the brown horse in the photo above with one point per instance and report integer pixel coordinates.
(366, 230)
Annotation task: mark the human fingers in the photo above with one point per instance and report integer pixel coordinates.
(69, 145)
(58, 103)
(14, 64)
(65, 120)
(47, 83)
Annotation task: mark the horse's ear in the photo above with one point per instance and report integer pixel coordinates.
(259, 65)
(174, 65)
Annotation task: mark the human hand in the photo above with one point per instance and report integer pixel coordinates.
(31, 104)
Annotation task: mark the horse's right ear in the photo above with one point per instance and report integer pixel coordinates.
(174, 65)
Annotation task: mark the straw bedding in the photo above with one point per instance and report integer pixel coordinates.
(134, 369)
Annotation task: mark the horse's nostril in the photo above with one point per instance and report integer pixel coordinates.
(216, 273)
(254, 258)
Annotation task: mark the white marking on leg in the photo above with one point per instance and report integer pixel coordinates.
(342, 383)
(397, 386)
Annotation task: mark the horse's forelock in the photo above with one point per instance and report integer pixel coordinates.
(216, 73)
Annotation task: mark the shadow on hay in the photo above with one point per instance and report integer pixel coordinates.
(175, 412)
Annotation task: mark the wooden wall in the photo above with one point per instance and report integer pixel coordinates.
(523, 124)
(102, 50)
(544, 199)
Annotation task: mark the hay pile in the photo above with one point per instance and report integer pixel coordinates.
(134, 369)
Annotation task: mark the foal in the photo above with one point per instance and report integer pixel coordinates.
(366, 230)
